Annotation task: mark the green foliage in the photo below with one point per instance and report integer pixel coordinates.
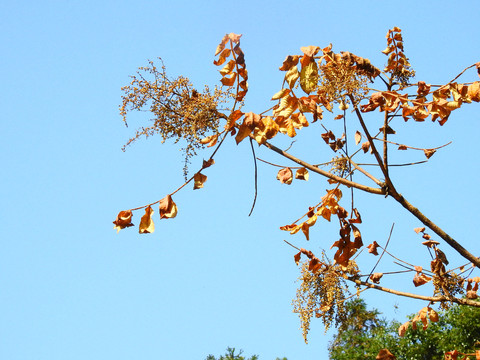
(230, 355)
(364, 334)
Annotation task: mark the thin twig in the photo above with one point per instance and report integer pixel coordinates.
(255, 163)
(383, 252)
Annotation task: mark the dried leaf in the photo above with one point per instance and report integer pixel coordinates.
(403, 329)
(376, 277)
(419, 229)
(402, 147)
(289, 62)
(285, 176)
(146, 223)
(420, 279)
(124, 219)
(365, 146)
(297, 257)
(282, 93)
(429, 152)
(433, 315)
(302, 174)
(292, 76)
(167, 208)
(199, 179)
(210, 140)
(358, 137)
(309, 77)
(372, 248)
(385, 354)
(208, 163)
(474, 91)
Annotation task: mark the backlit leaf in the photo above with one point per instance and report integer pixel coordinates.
(358, 137)
(124, 219)
(302, 174)
(146, 223)
(167, 208)
(199, 179)
(309, 77)
(285, 176)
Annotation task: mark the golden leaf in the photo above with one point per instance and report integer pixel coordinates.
(124, 219)
(385, 354)
(285, 176)
(474, 91)
(223, 56)
(265, 130)
(229, 81)
(210, 140)
(167, 208)
(292, 76)
(146, 223)
(281, 94)
(199, 179)
(309, 77)
(228, 68)
(302, 174)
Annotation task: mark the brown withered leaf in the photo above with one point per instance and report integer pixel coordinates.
(358, 137)
(167, 208)
(289, 62)
(402, 147)
(338, 117)
(285, 176)
(146, 223)
(314, 265)
(357, 219)
(403, 328)
(419, 229)
(229, 81)
(375, 277)
(372, 248)
(123, 220)
(310, 51)
(474, 91)
(210, 140)
(426, 236)
(366, 146)
(208, 163)
(302, 174)
(265, 130)
(389, 131)
(420, 279)
(385, 354)
(432, 315)
(441, 256)
(297, 257)
(357, 236)
(198, 180)
(228, 68)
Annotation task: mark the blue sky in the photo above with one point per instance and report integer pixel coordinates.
(72, 288)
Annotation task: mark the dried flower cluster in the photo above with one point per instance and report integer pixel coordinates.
(179, 111)
(322, 294)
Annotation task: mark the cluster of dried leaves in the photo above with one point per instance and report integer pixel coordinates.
(313, 82)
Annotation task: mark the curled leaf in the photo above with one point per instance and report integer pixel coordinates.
(199, 179)
(429, 152)
(403, 329)
(302, 174)
(167, 208)
(376, 277)
(372, 248)
(124, 219)
(146, 223)
(285, 176)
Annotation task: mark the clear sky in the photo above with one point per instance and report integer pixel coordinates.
(72, 288)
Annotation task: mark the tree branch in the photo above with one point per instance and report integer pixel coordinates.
(315, 169)
(416, 296)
